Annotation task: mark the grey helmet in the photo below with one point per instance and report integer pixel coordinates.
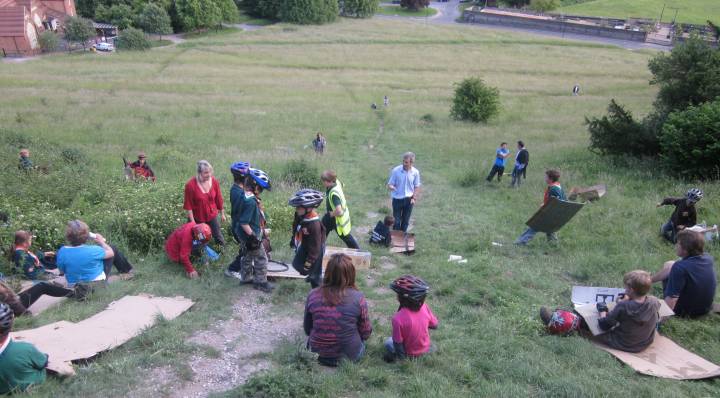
(308, 198)
(694, 194)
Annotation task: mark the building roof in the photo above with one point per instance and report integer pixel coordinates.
(100, 25)
(12, 21)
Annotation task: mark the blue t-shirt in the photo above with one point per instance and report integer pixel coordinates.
(81, 263)
(500, 157)
(692, 280)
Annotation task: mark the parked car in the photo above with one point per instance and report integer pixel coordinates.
(104, 47)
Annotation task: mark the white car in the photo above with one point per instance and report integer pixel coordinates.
(104, 47)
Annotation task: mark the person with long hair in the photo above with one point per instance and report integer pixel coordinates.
(203, 200)
(336, 315)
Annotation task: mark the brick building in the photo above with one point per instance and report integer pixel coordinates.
(22, 21)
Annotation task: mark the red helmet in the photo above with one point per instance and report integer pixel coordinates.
(202, 232)
(563, 322)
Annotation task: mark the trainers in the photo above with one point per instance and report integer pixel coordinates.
(545, 315)
(127, 276)
(233, 274)
(266, 287)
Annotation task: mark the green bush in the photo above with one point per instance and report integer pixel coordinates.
(475, 101)
(618, 133)
(301, 173)
(470, 177)
(358, 8)
(690, 142)
(281, 384)
(414, 4)
(133, 39)
(543, 5)
(49, 41)
(306, 12)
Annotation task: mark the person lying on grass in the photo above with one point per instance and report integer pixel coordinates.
(20, 303)
(185, 242)
(336, 315)
(32, 265)
(21, 364)
(684, 215)
(553, 190)
(309, 235)
(689, 283)
(631, 324)
(412, 321)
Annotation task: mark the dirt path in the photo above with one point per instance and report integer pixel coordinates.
(231, 352)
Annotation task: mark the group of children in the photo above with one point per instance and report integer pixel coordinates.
(522, 159)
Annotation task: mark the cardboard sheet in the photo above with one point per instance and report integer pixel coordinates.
(590, 314)
(664, 358)
(401, 242)
(591, 294)
(554, 215)
(594, 192)
(360, 259)
(122, 320)
(290, 273)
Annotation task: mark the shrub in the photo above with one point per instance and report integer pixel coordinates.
(470, 177)
(427, 118)
(414, 4)
(307, 12)
(301, 173)
(72, 155)
(48, 41)
(78, 30)
(618, 133)
(358, 8)
(197, 14)
(690, 142)
(120, 15)
(133, 39)
(280, 383)
(543, 5)
(154, 19)
(475, 101)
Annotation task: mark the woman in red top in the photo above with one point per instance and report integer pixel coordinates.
(203, 200)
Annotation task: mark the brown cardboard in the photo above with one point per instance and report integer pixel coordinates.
(588, 194)
(360, 259)
(590, 314)
(553, 215)
(122, 320)
(664, 358)
(401, 242)
(290, 273)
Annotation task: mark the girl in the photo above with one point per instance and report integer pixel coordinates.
(410, 324)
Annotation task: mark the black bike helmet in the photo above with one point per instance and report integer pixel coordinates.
(410, 287)
(6, 319)
(308, 198)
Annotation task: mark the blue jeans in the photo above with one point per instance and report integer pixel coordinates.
(529, 234)
(668, 231)
(402, 208)
(390, 346)
(516, 174)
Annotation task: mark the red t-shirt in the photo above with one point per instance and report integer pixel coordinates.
(179, 245)
(205, 206)
(411, 329)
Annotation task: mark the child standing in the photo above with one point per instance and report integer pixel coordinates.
(309, 235)
(553, 190)
(31, 264)
(21, 364)
(684, 216)
(254, 258)
(410, 337)
(239, 171)
(499, 166)
(381, 234)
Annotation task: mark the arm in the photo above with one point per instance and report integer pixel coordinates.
(416, 195)
(671, 302)
(186, 243)
(364, 325)
(38, 360)
(337, 212)
(398, 339)
(314, 243)
(187, 202)
(109, 253)
(308, 321)
(391, 180)
(433, 324)
(667, 201)
(608, 320)
(219, 199)
(675, 285)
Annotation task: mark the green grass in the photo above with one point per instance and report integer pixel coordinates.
(160, 43)
(404, 12)
(261, 96)
(689, 11)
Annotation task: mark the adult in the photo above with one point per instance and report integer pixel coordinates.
(141, 169)
(89, 265)
(684, 216)
(689, 283)
(337, 216)
(319, 143)
(404, 185)
(336, 315)
(499, 165)
(20, 302)
(522, 158)
(203, 200)
(186, 241)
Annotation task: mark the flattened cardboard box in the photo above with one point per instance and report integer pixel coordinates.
(401, 242)
(589, 194)
(123, 319)
(360, 259)
(553, 215)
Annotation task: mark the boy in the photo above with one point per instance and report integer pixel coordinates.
(381, 234)
(254, 258)
(21, 364)
(631, 324)
(185, 241)
(521, 161)
(309, 235)
(553, 190)
(24, 163)
(685, 214)
(410, 336)
(337, 216)
(239, 171)
(689, 283)
(499, 166)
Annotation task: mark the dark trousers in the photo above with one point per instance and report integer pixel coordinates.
(119, 260)
(402, 209)
(214, 225)
(29, 296)
(668, 231)
(315, 272)
(329, 223)
(499, 170)
(237, 263)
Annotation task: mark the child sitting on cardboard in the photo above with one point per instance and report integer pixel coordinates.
(381, 234)
(21, 364)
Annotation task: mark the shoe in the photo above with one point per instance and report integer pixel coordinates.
(545, 315)
(266, 287)
(127, 275)
(247, 282)
(388, 357)
(232, 274)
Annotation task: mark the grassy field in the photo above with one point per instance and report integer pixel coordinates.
(261, 96)
(404, 12)
(689, 11)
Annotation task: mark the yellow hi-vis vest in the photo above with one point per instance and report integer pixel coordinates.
(342, 223)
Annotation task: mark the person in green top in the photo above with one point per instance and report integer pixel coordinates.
(21, 364)
(25, 163)
(337, 217)
(553, 190)
(253, 263)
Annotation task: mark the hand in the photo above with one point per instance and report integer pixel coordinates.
(307, 265)
(680, 227)
(391, 187)
(192, 275)
(292, 243)
(412, 201)
(601, 307)
(658, 205)
(99, 239)
(223, 218)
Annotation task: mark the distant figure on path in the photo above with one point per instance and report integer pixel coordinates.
(576, 89)
(404, 185)
(521, 161)
(319, 143)
(499, 166)
(386, 101)
(203, 200)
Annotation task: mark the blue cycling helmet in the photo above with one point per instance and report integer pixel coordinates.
(261, 178)
(239, 168)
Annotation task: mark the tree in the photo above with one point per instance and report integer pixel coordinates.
(358, 8)
(133, 39)
(120, 15)
(86, 8)
(475, 101)
(517, 3)
(543, 5)
(48, 41)
(618, 133)
(414, 4)
(154, 19)
(78, 30)
(309, 11)
(228, 10)
(197, 14)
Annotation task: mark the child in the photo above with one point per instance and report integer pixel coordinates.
(684, 216)
(32, 265)
(21, 364)
(187, 240)
(309, 235)
(337, 217)
(381, 234)
(499, 166)
(141, 169)
(553, 190)
(24, 163)
(239, 171)
(254, 258)
(410, 324)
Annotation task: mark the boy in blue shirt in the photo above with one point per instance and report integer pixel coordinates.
(499, 166)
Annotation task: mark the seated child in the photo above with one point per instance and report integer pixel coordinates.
(381, 234)
(24, 163)
(32, 265)
(21, 364)
(410, 337)
(309, 235)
